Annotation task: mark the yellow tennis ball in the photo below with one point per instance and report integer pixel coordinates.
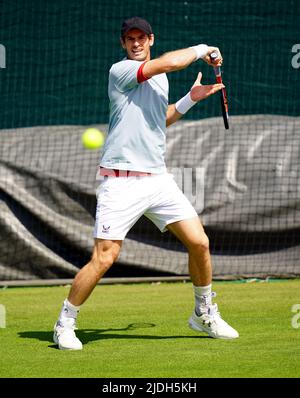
(93, 138)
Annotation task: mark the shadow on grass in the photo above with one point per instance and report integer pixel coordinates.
(87, 335)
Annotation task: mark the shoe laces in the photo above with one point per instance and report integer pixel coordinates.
(211, 316)
(213, 312)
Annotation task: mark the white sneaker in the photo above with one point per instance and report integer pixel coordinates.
(211, 322)
(65, 336)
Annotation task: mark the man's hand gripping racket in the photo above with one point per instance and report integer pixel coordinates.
(224, 103)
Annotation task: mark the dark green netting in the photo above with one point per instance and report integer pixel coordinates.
(59, 54)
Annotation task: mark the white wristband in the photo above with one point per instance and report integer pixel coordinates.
(201, 50)
(184, 104)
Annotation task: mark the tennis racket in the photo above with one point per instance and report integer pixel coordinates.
(223, 95)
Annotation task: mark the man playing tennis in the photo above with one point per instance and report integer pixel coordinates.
(136, 182)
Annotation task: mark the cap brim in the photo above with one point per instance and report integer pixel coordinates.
(136, 27)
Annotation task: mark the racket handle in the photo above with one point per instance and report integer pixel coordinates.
(213, 56)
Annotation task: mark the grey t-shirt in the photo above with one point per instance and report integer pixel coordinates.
(136, 138)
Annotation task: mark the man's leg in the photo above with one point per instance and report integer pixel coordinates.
(191, 233)
(105, 253)
(206, 316)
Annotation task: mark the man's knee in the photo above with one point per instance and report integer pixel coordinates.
(102, 264)
(103, 258)
(201, 243)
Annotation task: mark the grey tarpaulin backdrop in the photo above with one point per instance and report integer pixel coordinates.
(251, 188)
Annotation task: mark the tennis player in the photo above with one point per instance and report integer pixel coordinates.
(135, 179)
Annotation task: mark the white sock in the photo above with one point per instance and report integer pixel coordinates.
(202, 297)
(68, 310)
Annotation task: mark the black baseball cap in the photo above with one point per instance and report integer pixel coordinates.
(136, 23)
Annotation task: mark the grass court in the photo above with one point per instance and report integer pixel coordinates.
(140, 330)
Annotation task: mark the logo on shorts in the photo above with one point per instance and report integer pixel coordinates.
(105, 229)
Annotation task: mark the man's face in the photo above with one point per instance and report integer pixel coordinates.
(137, 44)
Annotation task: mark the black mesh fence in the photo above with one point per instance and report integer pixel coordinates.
(54, 63)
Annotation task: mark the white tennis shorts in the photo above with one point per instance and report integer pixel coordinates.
(121, 201)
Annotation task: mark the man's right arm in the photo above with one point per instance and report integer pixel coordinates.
(179, 59)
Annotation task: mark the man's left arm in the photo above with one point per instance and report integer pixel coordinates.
(172, 115)
(197, 93)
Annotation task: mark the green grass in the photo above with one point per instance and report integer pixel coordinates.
(161, 344)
